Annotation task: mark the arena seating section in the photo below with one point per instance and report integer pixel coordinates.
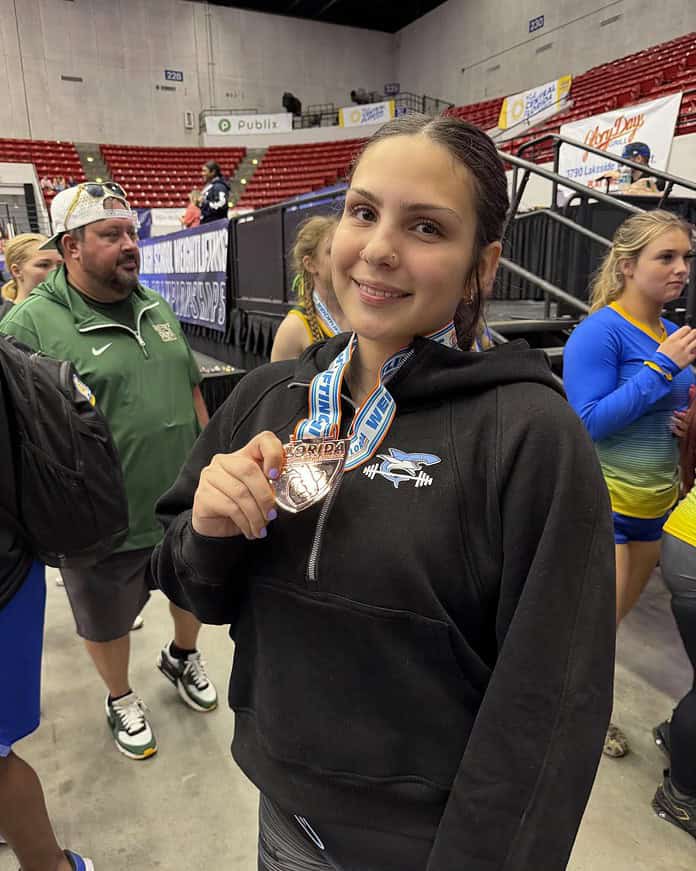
(654, 72)
(164, 177)
(52, 159)
(288, 170)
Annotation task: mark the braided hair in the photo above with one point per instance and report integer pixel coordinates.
(310, 235)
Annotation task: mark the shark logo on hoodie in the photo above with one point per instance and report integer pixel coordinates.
(398, 466)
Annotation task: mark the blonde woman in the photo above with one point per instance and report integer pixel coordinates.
(317, 315)
(626, 373)
(28, 267)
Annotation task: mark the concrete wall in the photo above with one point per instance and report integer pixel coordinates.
(235, 59)
(230, 58)
(491, 41)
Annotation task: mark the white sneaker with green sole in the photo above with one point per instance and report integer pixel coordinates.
(129, 725)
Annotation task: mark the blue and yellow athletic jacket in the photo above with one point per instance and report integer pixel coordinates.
(625, 392)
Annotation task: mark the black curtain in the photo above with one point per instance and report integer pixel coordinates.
(563, 256)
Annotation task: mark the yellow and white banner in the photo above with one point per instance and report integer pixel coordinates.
(651, 124)
(522, 107)
(369, 113)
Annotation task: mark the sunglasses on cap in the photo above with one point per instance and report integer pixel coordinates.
(103, 189)
(98, 190)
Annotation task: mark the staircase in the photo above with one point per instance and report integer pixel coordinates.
(245, 170)
(92, 161)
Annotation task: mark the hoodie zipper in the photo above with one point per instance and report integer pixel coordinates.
(313, 562)
(329, 500)
(135, 333)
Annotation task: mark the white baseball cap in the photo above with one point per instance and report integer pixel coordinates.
(84, 204)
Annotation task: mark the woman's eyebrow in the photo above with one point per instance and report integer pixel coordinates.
(429, 207)
(361, 192)
(408, 207)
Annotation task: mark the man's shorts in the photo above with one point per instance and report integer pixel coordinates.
(21, 646)
(107, 597)
(638, 528)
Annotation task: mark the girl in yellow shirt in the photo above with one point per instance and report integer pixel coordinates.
(675, 799)
(317, 315)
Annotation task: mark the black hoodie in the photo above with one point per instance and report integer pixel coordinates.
(214, 200)
(436, 660)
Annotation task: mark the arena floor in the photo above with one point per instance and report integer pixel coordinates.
(190, 807)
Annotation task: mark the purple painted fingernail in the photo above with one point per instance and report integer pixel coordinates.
(263, 533)
(273, 474)
(272, 514)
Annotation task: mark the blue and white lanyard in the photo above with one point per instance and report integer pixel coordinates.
(328, 322)
(374, 417)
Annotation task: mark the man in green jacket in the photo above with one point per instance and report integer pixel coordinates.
(128, 346)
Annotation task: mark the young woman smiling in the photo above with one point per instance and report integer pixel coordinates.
(423, 658)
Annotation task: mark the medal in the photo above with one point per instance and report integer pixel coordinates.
(311, 467)
(374, 417)
(315, 457)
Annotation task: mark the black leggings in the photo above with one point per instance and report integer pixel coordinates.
(678, 563)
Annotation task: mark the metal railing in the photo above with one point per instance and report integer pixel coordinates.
(434, 106)
(320, 115)
(326, 114)
(559, 141)
(559, 213)
(18, 215)
(550, 290)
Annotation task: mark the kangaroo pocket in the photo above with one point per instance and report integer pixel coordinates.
(351, 689)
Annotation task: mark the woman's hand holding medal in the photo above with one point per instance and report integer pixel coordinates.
(234, 496)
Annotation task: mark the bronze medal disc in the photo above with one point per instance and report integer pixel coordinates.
(310, 470)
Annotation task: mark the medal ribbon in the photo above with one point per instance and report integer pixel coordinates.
(328, 321)
(374, 417)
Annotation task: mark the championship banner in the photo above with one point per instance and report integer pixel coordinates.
(243, 125)
(648, 124)
(189, 269)
(369, 113)
(521, 107)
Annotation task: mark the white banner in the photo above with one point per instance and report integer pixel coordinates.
(648, 124)
(521, 107)
(368, 113)
(243, 125)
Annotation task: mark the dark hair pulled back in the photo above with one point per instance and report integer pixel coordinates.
(475, 150)
(213, 167)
